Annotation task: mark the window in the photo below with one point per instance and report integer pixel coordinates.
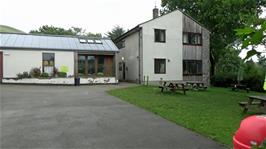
(159, 35)
(90, 41)
(159, 66)
(100, 69)
(48, 63)
(192, 38)
(91, 65)
(98, 41)
(82, 41)
(81, 65)
(192, 67)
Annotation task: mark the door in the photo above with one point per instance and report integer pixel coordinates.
(1, 66)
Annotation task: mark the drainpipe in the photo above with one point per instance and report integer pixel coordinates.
(140, 38)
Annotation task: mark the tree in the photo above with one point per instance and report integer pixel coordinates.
(252, 36)
(115, 32)
(73, 31)
(221, 17)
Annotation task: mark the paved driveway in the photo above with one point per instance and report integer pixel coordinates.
(85, 117)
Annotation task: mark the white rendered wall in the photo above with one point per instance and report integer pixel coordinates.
(130, 54)
(171, 50)
(18, 61)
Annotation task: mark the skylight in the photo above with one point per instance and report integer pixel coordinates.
(98, 41)
(82, 41)
(90, 41)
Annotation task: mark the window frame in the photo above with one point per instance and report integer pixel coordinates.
(198, 71)
(43, 53)
(189, 34)
(160, 31)
(155, 70)
(108, 70)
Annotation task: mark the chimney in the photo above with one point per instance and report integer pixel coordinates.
(155, 12)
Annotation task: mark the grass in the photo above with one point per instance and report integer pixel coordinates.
(214, 113)
(8, 29)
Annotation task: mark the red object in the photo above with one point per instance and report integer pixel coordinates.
(252, 131)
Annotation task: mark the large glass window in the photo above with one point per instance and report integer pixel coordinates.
(91, 65)
(48, 63)
(159, 66)
(100, 68)
(192, 38)
(159, 35)
(192, 67)
(81, 65)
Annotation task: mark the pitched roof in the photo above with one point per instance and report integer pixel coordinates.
(51, 42)
(137, 28)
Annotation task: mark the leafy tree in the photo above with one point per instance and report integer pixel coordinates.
(252, 36)
(115, 32)
(73, 31)
(221, 17)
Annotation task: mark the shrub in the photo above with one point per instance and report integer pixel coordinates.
(35, 72)
(44, 75)
(62, 74)
(23, 75)
(20, 76)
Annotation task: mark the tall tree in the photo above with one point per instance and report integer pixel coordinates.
(221, 17)
(115, 32)
(74, 31)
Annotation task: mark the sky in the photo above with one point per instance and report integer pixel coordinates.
(97, 16)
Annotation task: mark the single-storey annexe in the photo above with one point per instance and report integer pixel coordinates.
(93, 60)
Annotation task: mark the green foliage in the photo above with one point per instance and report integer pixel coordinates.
(62, 74)
(214, 113)
(35, 72)
(253, 36)
(23, 75)
(115, 32)
(73, 31)
(221, 17)
(44, 75)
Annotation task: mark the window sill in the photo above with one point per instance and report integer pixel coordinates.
(192, 74)
(187, 44)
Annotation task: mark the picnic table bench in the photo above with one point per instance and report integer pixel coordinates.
(173, 86)
(260, 101)
(237, 87)
(196, 85)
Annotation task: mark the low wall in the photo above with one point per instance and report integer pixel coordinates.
(62, 81)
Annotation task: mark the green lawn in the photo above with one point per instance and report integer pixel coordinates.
(214, 113)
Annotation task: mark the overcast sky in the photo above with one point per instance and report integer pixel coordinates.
(93, 15)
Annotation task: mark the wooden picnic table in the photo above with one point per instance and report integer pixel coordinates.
(237, 87)
(173, 86)
(260, 101)
(197, 85)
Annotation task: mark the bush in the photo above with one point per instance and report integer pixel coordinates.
(44, 75)
(223, 80)
(23, 75)
(62, 74)
(35, 72)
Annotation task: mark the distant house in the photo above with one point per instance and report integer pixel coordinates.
(171, 47)
(91, 59)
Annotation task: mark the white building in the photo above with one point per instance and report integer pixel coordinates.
(171, 47)
(92, 60)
